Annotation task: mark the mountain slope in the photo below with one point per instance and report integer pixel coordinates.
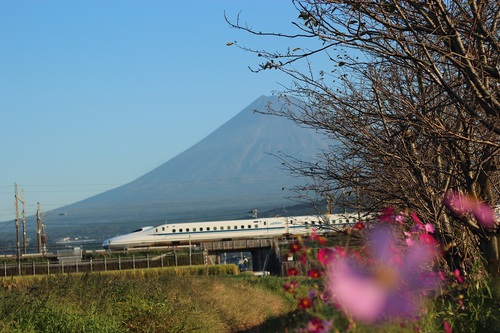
(230, 171)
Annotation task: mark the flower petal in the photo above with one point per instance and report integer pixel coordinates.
(349, 287)
(484, 215)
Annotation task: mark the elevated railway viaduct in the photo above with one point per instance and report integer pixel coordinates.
(266, 252)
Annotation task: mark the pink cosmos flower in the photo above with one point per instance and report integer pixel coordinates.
(484, 214)
(325, 255)
(409, 241)
(427, 239)
(391, 286)
(305, 303)
(314, 273)
(460, 205)
(303, 258)
(359, 226)
(458, 276)
(313, 293)
(419, 225)
(387, 215)
(316, 325)
(315, 237)
(447, 327)
(291, 287)
(294, 247)
(400, 218)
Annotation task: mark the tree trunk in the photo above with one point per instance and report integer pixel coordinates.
(491, 247)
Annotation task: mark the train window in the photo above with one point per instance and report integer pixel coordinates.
(162, 228)
(255, 226)
(242, 227)
(249, 226)
(201, 229)
(180, 230)
(156, 230)
(265, 223)
(235, 227)
(208, 228)
(173, 230)
(187, 229)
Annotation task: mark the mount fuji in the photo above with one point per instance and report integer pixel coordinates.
(224, 176)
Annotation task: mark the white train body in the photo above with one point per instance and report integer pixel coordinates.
(196, 232)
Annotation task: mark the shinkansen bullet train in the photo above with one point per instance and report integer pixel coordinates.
(196, 232)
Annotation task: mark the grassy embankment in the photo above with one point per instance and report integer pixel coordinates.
(177, 299)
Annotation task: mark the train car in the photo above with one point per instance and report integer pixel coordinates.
(196, 232)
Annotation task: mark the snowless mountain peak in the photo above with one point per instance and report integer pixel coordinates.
(232, 169)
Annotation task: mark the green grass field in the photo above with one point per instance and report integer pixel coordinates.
(184, 299)
(191, 299)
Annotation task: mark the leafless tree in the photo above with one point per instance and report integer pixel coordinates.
(412, 93)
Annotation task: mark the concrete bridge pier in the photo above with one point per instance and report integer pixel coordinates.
(266, 259)
(259, 258)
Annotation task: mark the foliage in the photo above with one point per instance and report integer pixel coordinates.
(195, 270)
(468, 306)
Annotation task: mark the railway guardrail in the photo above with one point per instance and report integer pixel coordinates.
(72, 265)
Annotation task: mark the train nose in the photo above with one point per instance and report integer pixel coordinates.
(105, 244)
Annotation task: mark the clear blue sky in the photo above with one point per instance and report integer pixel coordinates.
(96, 93)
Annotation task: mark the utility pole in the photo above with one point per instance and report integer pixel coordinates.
(44, 237)
(39, 228)
(24, 221)
(18, 242)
